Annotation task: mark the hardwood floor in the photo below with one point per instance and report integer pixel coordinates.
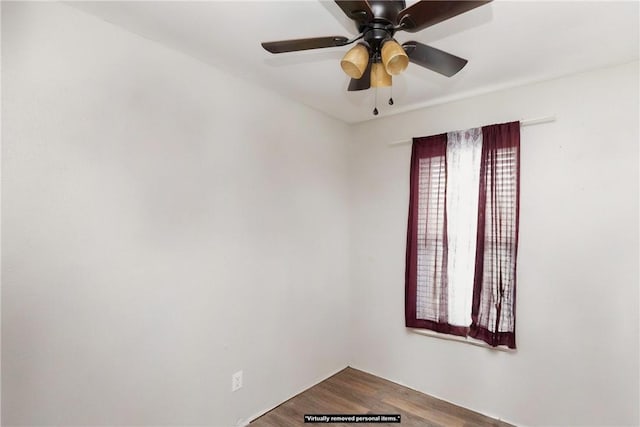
(351, 391)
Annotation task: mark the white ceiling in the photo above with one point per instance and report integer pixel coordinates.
(507, 43)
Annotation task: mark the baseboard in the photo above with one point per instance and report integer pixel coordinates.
(258, 414)
(438, 397)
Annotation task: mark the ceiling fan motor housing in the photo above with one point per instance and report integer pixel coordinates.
(382, 27)
(375, 34)
(384, 11)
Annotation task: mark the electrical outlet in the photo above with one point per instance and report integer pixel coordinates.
(236, 381)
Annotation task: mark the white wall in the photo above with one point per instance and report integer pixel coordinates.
(164, 225)
(577, 331)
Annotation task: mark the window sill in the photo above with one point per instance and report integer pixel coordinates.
(468, 340)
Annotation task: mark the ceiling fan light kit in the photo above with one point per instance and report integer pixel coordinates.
(372, 62)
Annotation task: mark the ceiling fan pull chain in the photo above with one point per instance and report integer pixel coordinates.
(375, 104)
(391, 95)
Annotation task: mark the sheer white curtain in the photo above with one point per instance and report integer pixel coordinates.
(464, 151)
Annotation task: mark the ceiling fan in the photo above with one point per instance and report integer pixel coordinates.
(378, 56)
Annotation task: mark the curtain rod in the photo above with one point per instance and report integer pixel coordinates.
(527, 122)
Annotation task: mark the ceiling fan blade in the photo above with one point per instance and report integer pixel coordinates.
(359, 11)
(424, 13)
(363, 82)
(434, 59)
(304, 44)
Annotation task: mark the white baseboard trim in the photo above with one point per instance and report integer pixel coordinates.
(438, 397)
(258, 414)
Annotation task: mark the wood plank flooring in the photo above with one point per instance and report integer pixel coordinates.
(351, 391)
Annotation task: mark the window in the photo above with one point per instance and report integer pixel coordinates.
(463, 233)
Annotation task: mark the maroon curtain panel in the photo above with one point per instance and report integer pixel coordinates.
(426, 263)
(493, 310)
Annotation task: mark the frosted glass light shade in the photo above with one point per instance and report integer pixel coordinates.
(355, 61)
(394, 57)
(379, 76)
